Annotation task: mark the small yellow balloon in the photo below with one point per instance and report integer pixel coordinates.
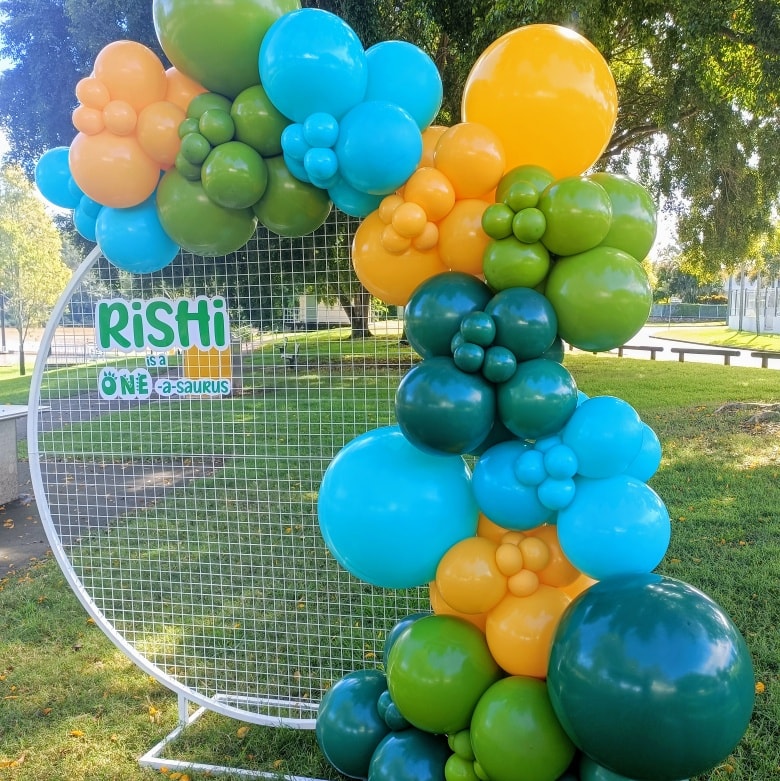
(468, 578)
(432, 190)
(536, 554)
(523, 583)
(409, 219)
(509, 559)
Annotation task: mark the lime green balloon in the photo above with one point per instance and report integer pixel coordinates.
(216, 126)
(258, 122)
(207, 101)
(195, 148)
(634, 225)
(516, 735)
(217, 44)
(188, 125)
(529, 225)
(522, 195)
(196, 223)
(497, 221)
(578, 213)
(511, 263)
(602, 298)
(437, 670)
(234, 175)
(290, 207)
(459, 769)
(534, 175)
(187, 169)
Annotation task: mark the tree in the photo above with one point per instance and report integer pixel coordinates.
(32, 273)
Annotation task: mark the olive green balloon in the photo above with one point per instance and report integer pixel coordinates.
(578, 214)
(534, 175)
(290, 207)
(512, 263)
(634, 225)
(196, 223)
(258, 122)
(216, 126)
(195, 148)
(234, 175)
(188, 125)
(207, 101)
(217, 44)
(602, 298)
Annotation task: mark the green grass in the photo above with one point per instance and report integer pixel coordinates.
(722, 336)
(71, 705)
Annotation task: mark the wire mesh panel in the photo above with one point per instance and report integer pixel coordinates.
(179, 486)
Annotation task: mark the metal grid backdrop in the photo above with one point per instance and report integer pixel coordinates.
(187, 524)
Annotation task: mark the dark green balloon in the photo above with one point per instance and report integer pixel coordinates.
(396, 631)
(234, 175)
(578, 214)
(650, 678)
(469, 357)
(436, 308)
(349, 727)
(539, 178)
(525, 321)
(479, 328)
(441, 409)
(592, 771)
(258, 122)
(512, 263)
(555, 352)
(538, 399)
(410, 755)
(602, 298)
(196, 223)
(499, 364)
(290, 207)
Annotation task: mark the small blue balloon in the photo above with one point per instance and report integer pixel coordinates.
(614, 526)
(321, 129)
(560, 462)
(322, 167)
(294, 143)
(53, 179)
(311, 61)
(388, 512)
(500, 495)
(90, 206)
(647, 461)
(296, 168)
(85, 222)
(133, 239)
(556, 493)
(529, 468)
(379, 147)
(393, 67)
(351, 201)
(75, 191)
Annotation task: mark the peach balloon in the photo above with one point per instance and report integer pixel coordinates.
(92, 92)
(391, 278)
(432, 190)
(157, 132)
(520, 630)
(548, 94)
(462, 241)
(471, 156)
(468, 578)
(430, 137)
(181, 89)
(132, 72)
(120, 117)
(441, 608)
(88, 120)
(112, 170)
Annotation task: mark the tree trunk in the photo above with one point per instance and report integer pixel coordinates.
(740, 320)
(358, 309)
(22, 368)
(758, 304)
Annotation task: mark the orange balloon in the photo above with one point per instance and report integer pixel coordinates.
(92, 92)
(409, 219)
(393, 241)
(520, 630)
(430, 137)
(387, 207)
(429, 237)
(157, 132)
(88, 120)
(471, 156)
(441, 608)
(492, 531)
(468, 578)
(181, 89)
(582, 583)
(432, 190)
(120, 117)
(548, 94)
(559, 571)
(391, 278)
(131, 72)
(462, 241)
(112, 170)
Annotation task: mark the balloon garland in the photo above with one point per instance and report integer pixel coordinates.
(552, 650)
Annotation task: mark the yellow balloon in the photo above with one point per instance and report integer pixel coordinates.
(462, 241)
(467, 576)
(471, 155)
(441, 608)
(548, 94)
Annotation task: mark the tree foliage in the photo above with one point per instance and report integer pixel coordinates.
(32, 273)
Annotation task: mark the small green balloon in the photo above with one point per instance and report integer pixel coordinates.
(529, 225)
(521, 195)
(511, 263)
(195, 148)
(290, 207)
(469, 357)
(410, 755)
(479, 328)
(234, 175)
(497, 221)
(216, 126)
(207, 101)
(459, 769)
(189, 125)
(535, 175)
(499, 365)
(460, 743)
(187, 169)
(258, 122)
(578, 213)
(525, 321)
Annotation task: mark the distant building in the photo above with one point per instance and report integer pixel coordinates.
(754, 304)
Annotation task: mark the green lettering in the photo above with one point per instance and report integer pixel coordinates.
(201, 317)
(112, 318)
(161, 334)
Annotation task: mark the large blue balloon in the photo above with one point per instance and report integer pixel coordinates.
(402, 73)
(133, 239)
(379, 147)
(615, 526)
(648, 459)
(388, 512)
(352, 201)
(605, 434)
(312, 61)
(500, 495)
(53, 179)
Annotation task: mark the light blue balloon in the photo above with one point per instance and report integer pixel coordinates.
(647, 461)
(614, 526)
(352, 201)
(322, 167)
(500, 495)
(529, 468)
(388, 512)
(133, 239)
(294, 143)
(296, 168)
(560, 462)
(605, 434)
(320, 129)
(85, 221)
(379, 147)
(557, 493)
(89, 206)
(311, 61)
(53, 179)
(402, 73)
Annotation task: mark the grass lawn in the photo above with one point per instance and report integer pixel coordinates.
(721, 336)
(73, 707)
